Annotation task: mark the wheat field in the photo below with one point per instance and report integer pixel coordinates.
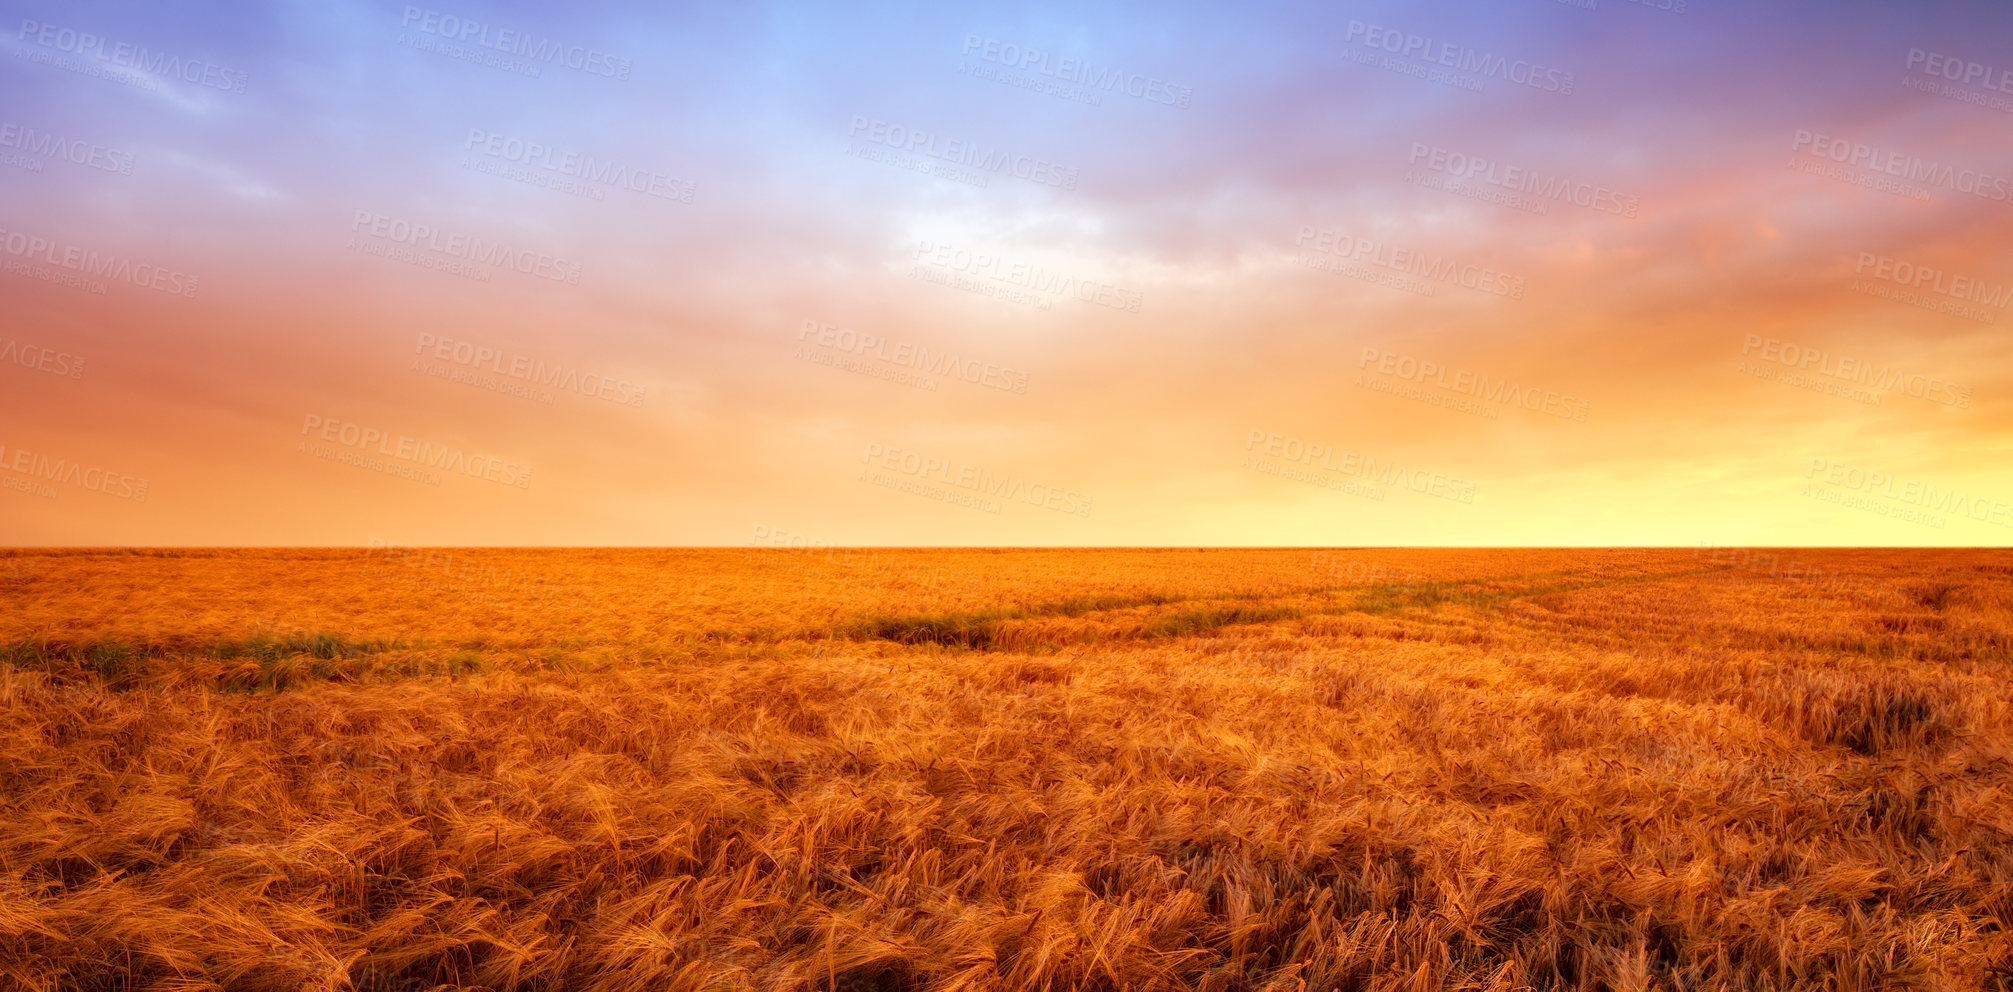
(855, 769)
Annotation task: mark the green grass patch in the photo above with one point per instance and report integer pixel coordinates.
(255, 664)
(984, 630)
(1190, 622)
(953, 630)
(315, 644)
(980, 629)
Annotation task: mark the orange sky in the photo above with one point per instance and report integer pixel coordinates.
(719, 304)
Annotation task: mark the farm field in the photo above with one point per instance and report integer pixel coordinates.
(909, 770)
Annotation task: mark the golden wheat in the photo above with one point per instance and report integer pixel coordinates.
(947, 770)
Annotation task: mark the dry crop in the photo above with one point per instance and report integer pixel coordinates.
(1018, 769)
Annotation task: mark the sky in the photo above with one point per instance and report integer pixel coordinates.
(1493, 272)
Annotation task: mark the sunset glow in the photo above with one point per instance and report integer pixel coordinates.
(1508, 273)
